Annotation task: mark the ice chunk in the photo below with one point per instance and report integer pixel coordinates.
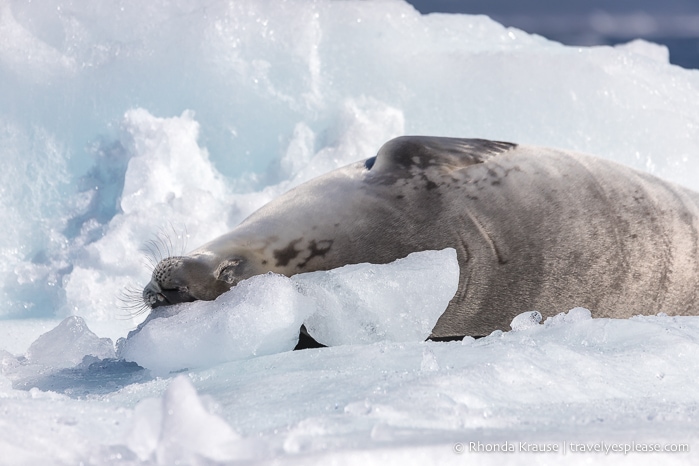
(576, 314)
(360, 303)
(179, 429)
(188, 430)
(526, 320)
(67, 345)
(72, 360)
(468, 340)
(261, 315)
(365, 303)
(7, 362)
(657, 52)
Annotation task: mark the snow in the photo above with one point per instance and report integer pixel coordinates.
(127, 126)
(571, 380)
(179, 429)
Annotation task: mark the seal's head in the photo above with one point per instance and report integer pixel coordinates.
(202, 276)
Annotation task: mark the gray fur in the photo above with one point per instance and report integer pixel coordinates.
(534, 229)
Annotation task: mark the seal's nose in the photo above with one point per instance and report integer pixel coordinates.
(155, 296)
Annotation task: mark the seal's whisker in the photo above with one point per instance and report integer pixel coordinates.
(149, 250)
(159, 253)
(162, 254)
(185, 238)
(150, 254)
(148, 262)
(161, 239)
(180, 235)
(131, 302)
(169, 242)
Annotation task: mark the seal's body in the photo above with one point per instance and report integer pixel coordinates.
(534, 229)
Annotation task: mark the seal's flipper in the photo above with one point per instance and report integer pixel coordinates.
(306, 341)
(424, 152)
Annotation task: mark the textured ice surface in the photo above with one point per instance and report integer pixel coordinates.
(179, 430)
(67, 344)
(366, 303)
(526, 320)
(573, 380)
(261, 315)
(70, 359)
(355, 304)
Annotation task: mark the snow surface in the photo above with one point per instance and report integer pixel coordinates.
(570, 381)
(128, 122)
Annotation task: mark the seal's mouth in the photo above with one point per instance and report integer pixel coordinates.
(154, 296)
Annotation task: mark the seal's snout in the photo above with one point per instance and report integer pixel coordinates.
(164, 288)
(154, 296)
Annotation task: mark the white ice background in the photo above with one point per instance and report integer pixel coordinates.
(124, 122)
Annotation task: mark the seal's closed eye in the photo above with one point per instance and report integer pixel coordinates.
(229, 271)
